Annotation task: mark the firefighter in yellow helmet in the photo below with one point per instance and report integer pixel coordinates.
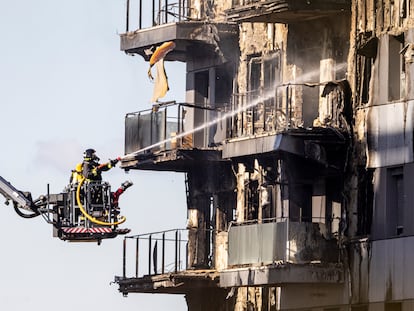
(92, 171)
(76, 174)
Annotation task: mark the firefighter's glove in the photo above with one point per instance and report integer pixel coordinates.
(114, 161)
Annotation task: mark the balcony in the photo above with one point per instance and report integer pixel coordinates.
(287, 120)
(282, 251)
(148, 25)
(172, 137)
(157, 262)
(284, 11)
(274, 252)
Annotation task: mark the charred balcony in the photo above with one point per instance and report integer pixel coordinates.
(150, 24)
(280, 252)
(158, 262)
(177, 136)
(172, 137)
(284, 11)
(286, 120)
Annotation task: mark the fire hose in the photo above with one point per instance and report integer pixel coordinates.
(93, 219)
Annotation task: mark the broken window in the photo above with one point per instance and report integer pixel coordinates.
(366, 77)
(255, 64)
(300, 202)
(368, 52)
(404, 8)
(262, 80)
(395, 201)
(255, 113)
(223, 85)
(396, 70)
(365, 200)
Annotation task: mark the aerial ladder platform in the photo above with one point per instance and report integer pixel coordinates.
(82, 212)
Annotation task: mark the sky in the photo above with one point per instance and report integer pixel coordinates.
(65, 86)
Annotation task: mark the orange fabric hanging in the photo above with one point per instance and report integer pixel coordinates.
(160, 83)
(159, 53)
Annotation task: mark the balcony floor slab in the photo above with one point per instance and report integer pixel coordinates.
(283, 274)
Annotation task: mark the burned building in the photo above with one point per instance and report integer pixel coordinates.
(296, 140)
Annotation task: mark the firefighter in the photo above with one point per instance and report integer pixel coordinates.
(91, 169)
(76, 176)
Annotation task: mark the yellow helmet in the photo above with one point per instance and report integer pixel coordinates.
(78, 168)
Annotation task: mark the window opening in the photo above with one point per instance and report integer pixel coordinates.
(404, 9)
(263, 78)
(254, 114)
(395, 201)
(271, 80)
(396, 70)
(366, 77)
(365, 201)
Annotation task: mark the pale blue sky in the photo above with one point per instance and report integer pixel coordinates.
(65, 86)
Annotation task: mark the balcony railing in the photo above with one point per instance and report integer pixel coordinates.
(172, 125)
(153, 129)
(155, 253)
(288, 106)
(162, 12)
(284, 11)
(166, 252)
(268, 111)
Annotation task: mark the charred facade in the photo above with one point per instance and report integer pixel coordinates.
(296, 139)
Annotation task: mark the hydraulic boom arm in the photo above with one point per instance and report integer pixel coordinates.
(12, 194)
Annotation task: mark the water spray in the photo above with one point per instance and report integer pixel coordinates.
(242, 108)
(203, 126)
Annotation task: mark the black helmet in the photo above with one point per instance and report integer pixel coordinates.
(90, 154)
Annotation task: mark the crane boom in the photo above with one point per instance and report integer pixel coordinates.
(11, 193)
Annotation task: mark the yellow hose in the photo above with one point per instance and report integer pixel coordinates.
(94, 220)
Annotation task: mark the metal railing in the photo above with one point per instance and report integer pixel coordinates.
(287, 106)
(169, 126)
(165, 251)
(162, 12)
(265, 111)
(169, 251)
(155, 128)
